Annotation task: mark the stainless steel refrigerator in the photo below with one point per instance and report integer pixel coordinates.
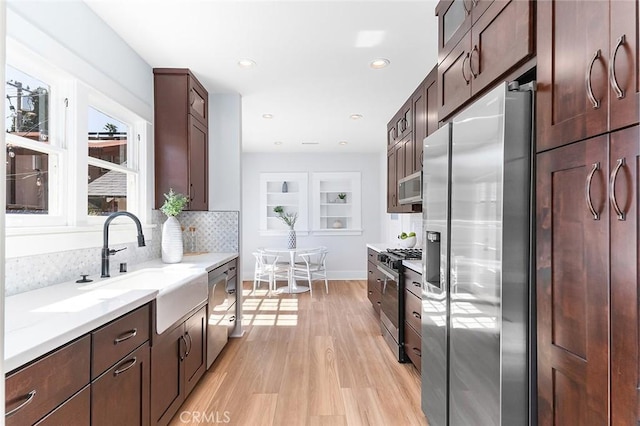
(476, 283)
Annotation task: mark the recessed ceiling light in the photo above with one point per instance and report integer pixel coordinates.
(379, 63)
(267, 116)
(277, 143)
(355, 116)
(342, 143)
(246, 63)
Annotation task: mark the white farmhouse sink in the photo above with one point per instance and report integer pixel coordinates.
(179, 290)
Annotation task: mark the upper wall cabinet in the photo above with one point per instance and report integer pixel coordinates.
(455, 18)
(288, 190)
(181, 106)
(404, 154)
(500, 38)
(588, 80)
(336, 203)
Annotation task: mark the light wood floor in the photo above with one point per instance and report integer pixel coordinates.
(307, 361)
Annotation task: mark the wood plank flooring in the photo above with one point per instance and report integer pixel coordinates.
(307, 361)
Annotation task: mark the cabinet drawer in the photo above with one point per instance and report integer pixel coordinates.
(372, 255)
(413, 345)
(374, 296)
(118, 338)
(413, 282)
(45, 384)
(76, 411)
(413, 310)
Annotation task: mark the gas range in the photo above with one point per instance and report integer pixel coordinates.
(392, 258)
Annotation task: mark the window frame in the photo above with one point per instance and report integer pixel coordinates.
(69, 99)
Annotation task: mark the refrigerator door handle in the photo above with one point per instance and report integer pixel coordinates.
(587, 191)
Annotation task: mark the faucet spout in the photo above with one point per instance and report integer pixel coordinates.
(105, 239)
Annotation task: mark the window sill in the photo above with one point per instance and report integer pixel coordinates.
(52, 239)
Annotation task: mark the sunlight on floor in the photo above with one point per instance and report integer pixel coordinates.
(259, 309)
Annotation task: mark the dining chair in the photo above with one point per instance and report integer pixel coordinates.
(268, 270)
(313, 266)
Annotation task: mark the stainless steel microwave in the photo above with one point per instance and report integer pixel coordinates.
(410, 189)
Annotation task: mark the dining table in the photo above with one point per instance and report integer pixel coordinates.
(292, 286)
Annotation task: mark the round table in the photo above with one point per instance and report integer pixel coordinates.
(292, 287)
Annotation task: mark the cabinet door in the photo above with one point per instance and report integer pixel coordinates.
(419, 107)
(624, 278)
(195, 360)
(572, 284)
(392, 190)
(625, 18)
(198, 181)
(392, 133)
(121, 395)
(167, 383)
(569, 70)
(409, 154)
(501, 39)
(198, 101)
(454, 21)
(454, 79)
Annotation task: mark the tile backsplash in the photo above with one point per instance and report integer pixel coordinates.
(214, 231)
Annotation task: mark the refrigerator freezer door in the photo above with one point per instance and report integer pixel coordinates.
(435, 275)
(489, 261)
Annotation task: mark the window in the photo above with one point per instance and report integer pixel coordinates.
(30, 156)
(111, 170)
(73, 153)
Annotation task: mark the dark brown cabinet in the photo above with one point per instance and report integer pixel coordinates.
(500, 38)
(178, 361)
(101, 378)
(455, 18)
(413, 316)
(587, 71)
(417, 119)
(120, 396)
(374, 281)
(587, 287)
(181, 136)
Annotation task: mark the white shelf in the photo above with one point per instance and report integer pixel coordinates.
(325, 211)
(295, 200)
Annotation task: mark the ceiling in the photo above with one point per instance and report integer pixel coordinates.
(312, 62)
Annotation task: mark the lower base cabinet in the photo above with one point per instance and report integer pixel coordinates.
(120, 396)
(413, 317)
(76, 411)
(178, 361)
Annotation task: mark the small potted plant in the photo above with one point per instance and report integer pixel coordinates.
(172, 246)
(342, 198)
(407, 240)
(290, 220)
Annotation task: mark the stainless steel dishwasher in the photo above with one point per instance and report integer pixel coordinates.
(221, 308)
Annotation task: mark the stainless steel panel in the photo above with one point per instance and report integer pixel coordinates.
(488, 261)
(434, 296)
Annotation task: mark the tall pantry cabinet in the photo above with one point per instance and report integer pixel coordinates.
(587, 254)
(181, 107)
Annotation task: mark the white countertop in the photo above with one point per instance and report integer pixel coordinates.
(38, 321)
(415, 265)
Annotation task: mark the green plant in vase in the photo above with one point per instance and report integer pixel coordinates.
(172, 245)
(290, 220)
(342, 197)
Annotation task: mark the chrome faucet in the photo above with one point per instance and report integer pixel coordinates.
(106, 252)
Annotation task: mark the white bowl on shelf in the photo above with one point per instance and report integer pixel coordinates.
(408, 242)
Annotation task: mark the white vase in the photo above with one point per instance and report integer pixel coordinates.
(291, 239)
(172, 248)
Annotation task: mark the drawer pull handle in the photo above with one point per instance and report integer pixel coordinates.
(370, 292)
(29, 396)
(379, 303)
(612, 190)
(417, 284)
(190, 344)
(180, 348)
(612, 68)
(592, 98)
(416, 315)
(233, 268)
(417, 351)
(232, 319)
(232, 291)
(130, 363)
(587, 191)
(125, 336)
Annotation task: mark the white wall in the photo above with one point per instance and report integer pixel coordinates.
(72, 37)
(225, 143)
(347, 257)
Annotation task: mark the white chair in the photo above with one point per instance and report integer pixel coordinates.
(314, 267)
(268, 270)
